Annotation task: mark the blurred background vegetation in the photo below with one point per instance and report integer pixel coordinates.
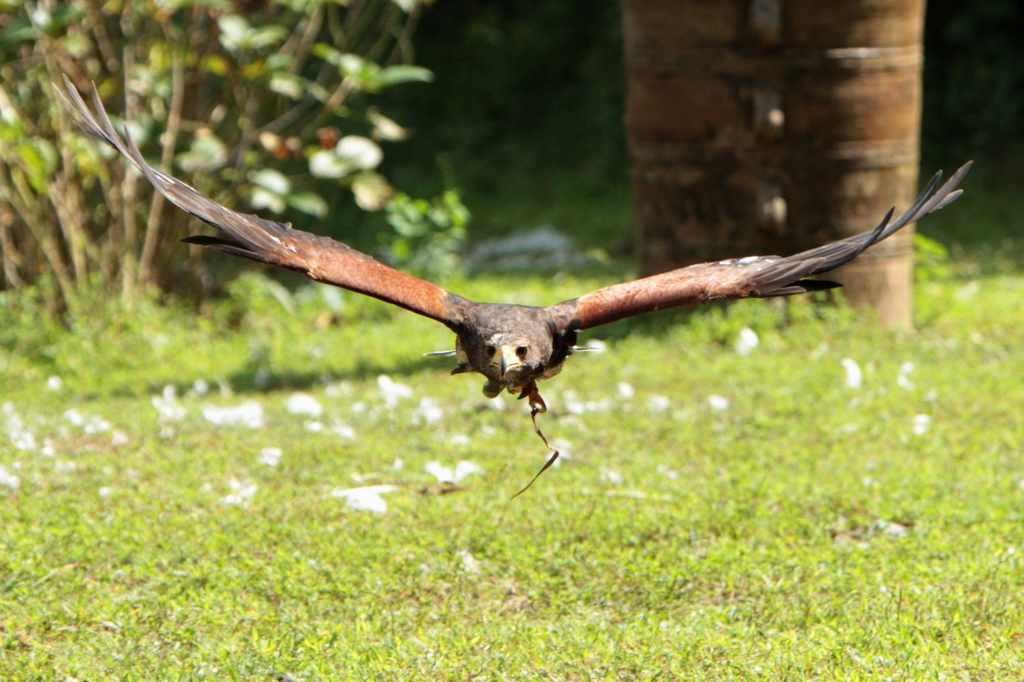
(337, 115)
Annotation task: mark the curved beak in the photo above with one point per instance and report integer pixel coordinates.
(509, 359)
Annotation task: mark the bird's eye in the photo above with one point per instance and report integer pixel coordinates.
(490, 350)
(521, 352)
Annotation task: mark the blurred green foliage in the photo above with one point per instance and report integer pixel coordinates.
(527, 107)
(262, 106)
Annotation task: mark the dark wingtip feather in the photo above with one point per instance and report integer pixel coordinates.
(804, 286)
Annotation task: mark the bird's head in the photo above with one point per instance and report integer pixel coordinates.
(509, 360)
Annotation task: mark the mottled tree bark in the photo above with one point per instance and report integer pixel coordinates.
(771, 126)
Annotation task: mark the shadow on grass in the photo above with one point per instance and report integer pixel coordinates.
(253, 379)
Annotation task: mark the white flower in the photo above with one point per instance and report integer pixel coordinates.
(96, 425)
(106, 491)
(249, 413)
(446, 475)
(344, 431)
(24, 441)
(200, 387)
(717, 402)
(854, 377)
(54, 383)
(9, 480)
(672, 475)
(613, 477)
(747, 341)
(118, 439)
(658, 403)
(366, 498)
(75, 418)
(242, 494)
(903, 377)
(300, 403)
(469, 562)
(313, 427)
(626, 390)
(428, 411)
(392, 391)
(459, 439)
(167, 406)
(921, 424)
(270, 456)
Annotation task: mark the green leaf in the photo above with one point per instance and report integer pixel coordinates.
(400, 73)
(232, 30)
(208, 152)
(326, 164)
(271, 180)
(291, 86)
(261, 198)
(39, 160)
(308, 202)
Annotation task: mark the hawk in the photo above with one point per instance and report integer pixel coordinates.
(513, 346)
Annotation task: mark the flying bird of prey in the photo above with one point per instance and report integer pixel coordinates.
(513, 346)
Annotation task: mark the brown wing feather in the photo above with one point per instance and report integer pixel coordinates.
(754, 277)
(320, 258)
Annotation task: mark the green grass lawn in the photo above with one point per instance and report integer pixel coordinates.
(804, 532)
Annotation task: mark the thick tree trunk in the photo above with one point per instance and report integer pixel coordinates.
(771, 126)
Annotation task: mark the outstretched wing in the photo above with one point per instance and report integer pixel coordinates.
(752, 277)
(319, 258)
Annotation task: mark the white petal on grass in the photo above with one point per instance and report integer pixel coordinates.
(167, 406)
(465, 468)
(313, 427)
(62, 467)
(9, 480)
(854, 377)
(442, 473)
(613, 477)
(48, 448)
(24, 440)
(75, 417)
(448, 475)
(564, 448)
(118, 439)
(398, 464)
(573, 404)
(393, 392)
(249, 414)
(469, 562)
(270, 456)
(243, 493)
(626, 390)
(96, 425)
(54, 383)
(669, 473)
(200, 387)
(300, 403)
(459, 439)
(717, 402)
(921, 424)
(658, 403)
(106, 491)
(903, 378)
(366, 498)
(428, 412)
(746, 342)
(345, 431)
